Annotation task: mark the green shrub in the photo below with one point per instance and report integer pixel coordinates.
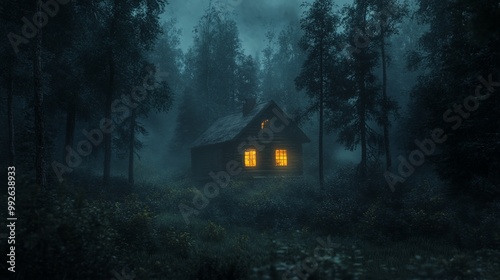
(213, 232)
(64, 236)
(336, 216)
(133, 218)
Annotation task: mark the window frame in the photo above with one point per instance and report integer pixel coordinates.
(250, 150)
(265, 124)
(283, 156)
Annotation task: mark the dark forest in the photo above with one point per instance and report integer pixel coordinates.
(250, 139)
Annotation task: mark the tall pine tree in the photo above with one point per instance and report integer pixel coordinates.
(319, 24)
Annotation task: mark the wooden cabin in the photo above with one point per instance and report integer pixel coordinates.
(260, 139)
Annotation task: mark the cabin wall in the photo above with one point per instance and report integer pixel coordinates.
(266, 162)
(214, 158)
(266, 142)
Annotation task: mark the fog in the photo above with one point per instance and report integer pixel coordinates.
(250, 139)
(254, 19)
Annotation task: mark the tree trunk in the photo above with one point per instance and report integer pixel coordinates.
(210, 104)
(362, 101)
(38, 106)
(362, 126)
(384, 102)
(107, 115)
(131, 149)
(109, 97)
(10, 114)
(70, 124)
(321, 101)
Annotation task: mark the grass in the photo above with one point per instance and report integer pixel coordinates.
(250, 231)
(392, 260)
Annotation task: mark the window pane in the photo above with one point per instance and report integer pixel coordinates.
(250, 157)
(281, 158)
(264, 124)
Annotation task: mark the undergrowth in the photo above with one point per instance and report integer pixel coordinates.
(265, 229)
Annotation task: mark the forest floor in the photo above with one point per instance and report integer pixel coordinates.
(224, 253)
(275, 229)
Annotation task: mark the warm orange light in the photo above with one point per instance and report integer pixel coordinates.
(264, 124)
(250, 157)
(281, 158)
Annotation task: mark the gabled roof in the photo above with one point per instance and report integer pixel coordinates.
(229, 127)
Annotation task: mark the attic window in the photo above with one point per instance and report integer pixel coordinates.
(250, 158)
(264, 124)
(281, 158)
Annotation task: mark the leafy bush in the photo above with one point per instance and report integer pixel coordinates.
(482, 264)
(336, 215)
(212, 268)
(173, 239)
(213, 232)
(67, 238)
(132, 218)
(71, 233)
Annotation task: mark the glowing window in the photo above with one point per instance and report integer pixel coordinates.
(281, 158)
(264, 124)
(250, 157)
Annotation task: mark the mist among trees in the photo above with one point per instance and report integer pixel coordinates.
(103, 102)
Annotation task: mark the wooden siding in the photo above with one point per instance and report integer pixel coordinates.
(266, 162)
(214, 158)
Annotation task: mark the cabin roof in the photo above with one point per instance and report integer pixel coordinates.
(229, 127)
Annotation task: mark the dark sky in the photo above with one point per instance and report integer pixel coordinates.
(254, 18)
